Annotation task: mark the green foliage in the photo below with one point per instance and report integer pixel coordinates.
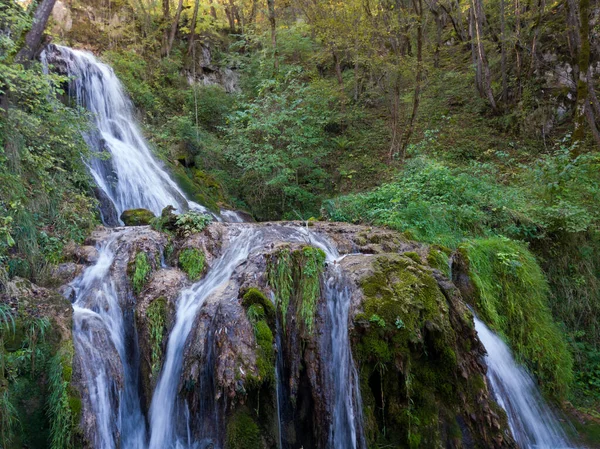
(45, 194)
(280, 277)
(296, 279)
(156, 314)
(141, 271)
(313, 260)
(64, 406)
(191, 222)
(434, 203)
(512, 296)
(192, 261)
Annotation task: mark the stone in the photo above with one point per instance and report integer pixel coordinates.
(137, 217)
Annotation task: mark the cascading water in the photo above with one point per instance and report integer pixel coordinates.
(103, 321)
(131, 178)
(163, 415)
(102, 327)
(347, 413)
(532, 422)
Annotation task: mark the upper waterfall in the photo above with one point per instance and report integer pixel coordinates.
(131, 177)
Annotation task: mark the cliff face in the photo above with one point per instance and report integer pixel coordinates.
(262, 361)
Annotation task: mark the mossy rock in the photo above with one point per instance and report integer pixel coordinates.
(406, 349)
(243, 432)
(200, 186)
(137, 217)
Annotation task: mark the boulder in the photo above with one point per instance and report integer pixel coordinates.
(137, 217)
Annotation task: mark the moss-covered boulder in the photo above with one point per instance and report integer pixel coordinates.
(137, 217)
(154, 317)
(421, 378)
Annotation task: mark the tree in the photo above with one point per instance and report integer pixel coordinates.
(483, 77)
(271, 8)
(33, 38)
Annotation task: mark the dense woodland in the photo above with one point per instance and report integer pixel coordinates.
(472, 125)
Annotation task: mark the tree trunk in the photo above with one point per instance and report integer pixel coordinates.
(33, 38)
(482, 63)
(503, 52)
(583, 109)
(252, 15)
(213, 11)
(418, 7)
(271, 7)
(174, 26)
(193, 28)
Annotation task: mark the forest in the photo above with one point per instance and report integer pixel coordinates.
(469, 127)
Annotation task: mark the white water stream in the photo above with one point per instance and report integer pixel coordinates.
(531, 420)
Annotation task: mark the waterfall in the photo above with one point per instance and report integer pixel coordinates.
(102, 330)
(131, 177)
(347, 413)
(532, 422)
(163, 407)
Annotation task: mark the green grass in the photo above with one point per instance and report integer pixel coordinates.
(192, 262)
(141, 272)
(512, 297)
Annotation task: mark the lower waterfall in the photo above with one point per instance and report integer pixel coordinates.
(345, 432)
(532, 422)
(102, 325)
(106, 344)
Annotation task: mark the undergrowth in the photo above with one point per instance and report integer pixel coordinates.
(296, 278)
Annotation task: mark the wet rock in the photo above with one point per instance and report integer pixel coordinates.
(64, 273)
(137, 217)
(154, 317)
(86, 255)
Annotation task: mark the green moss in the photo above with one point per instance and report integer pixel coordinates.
(191, 261)
(512, 297)
(200, 186)
(439, 260)
(254, 296)
(156, 314)
(137, 217)
(266, 354)
(242, 431)
(413, 255)
(141, 271)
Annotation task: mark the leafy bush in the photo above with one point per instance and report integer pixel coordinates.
(435, 203)
(191, 222)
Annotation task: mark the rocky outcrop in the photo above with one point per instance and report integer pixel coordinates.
(257, 362)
